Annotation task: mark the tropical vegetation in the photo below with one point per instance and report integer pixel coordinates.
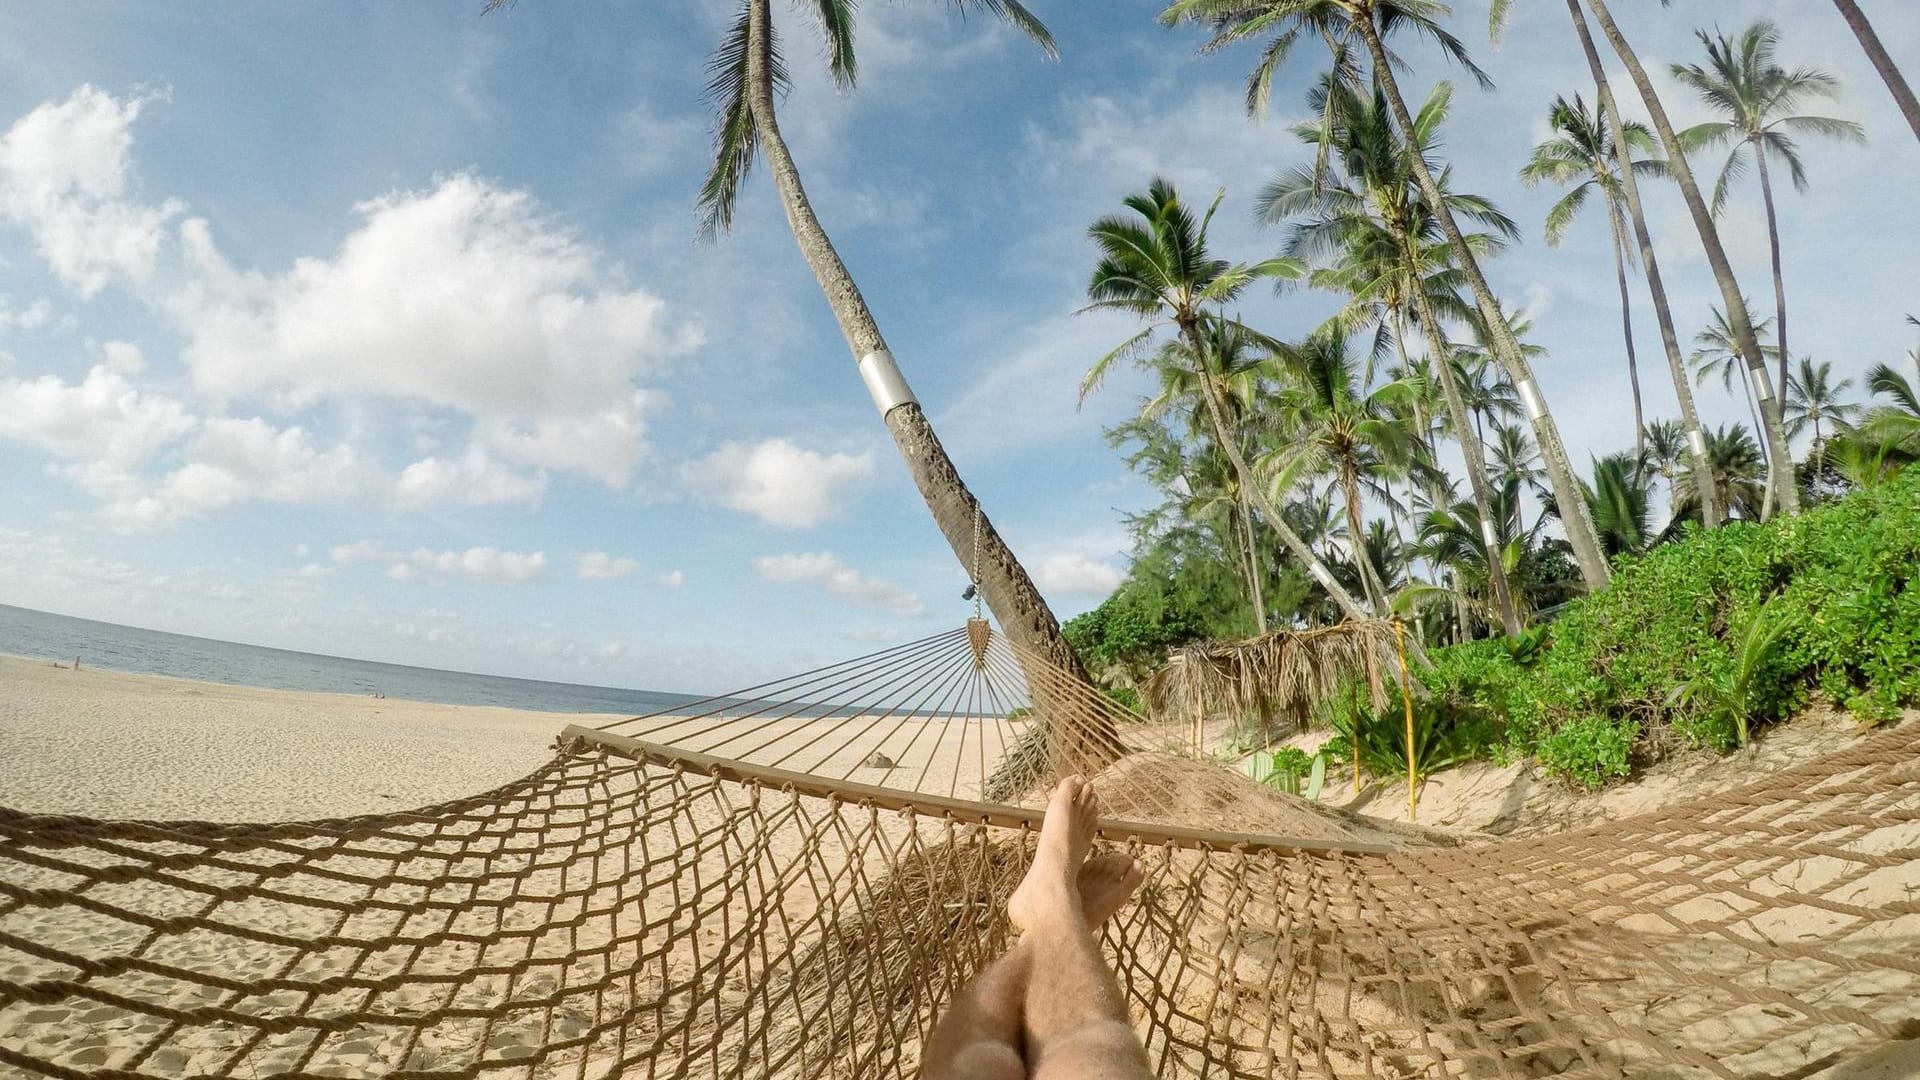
(1399, 461)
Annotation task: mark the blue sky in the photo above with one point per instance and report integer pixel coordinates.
(383, 330)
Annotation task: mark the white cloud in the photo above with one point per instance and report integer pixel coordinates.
(123, 357)
(103, 419)
(488, 565)
(826, 570)
(1076, 572)
(600, 566)
(64, 177)
(467, 296)
(776, 481)
(474, 478)
(234, 461)
(672, 579)
(31, 317)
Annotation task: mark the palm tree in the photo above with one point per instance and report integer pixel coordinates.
(1737, 468)
(1643, 238)
(1622, 504)
(1780, 463)
(1892, 430)
(1716, 352)
(1814, 398)
(1666, 448)
(1742, 80)
(1378, 219)
(1334, 425)
(745, 72)
(1338, 22)
(1581, 153)
(1158, 268)
(1450, 536)
(1882, 63)
(1236, 368)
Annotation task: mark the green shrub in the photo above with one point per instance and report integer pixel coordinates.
(1670, 645)
(1444, 735)
(1589, 751)
(1126, 697)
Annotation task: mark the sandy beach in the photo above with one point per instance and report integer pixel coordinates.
(110, 744)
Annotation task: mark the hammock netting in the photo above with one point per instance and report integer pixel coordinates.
(748, 888)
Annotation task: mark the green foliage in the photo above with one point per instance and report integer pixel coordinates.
(1174, 593)
(1746, 618)
(1289, 769)
(1589, 751)
(1445, 734)
(1126, 697)
(1732, 693)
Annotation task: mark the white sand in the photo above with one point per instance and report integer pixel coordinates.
(109, 744)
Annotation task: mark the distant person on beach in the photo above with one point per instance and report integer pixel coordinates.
(76, 663)
(1050, 1009)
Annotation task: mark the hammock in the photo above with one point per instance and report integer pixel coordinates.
(749, 888)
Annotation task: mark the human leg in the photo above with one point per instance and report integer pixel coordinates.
(981, 1036)
(1075, 1015)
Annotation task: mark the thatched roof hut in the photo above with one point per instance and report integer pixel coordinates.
(1282, 676)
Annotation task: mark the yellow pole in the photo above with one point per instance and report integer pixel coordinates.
(1406, 696)
(1355, 740)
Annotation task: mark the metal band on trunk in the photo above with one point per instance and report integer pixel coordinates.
(884, 382)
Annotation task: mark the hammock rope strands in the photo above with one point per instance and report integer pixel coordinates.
(741, 897)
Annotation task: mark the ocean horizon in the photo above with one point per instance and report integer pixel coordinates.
(46, 635)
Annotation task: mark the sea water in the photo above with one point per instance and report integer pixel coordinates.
(24, 632)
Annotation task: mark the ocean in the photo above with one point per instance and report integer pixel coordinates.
(24, 632)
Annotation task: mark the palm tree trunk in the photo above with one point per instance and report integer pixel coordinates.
(1626, 330)
(1357, 539)
(1471, 450)
(1736, 308)
(1710, 509)
(1217, 414)
(1255, 592)
(1779, 283)
(1574, 516)
(1753, 408)
(1882, 63)
(1004, 584)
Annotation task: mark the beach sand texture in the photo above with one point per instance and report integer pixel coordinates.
(105, 744)
(110, 744)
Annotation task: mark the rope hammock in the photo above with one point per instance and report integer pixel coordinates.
(793, 879)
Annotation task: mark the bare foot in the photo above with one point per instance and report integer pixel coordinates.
(1050, 891)
(1107, 882)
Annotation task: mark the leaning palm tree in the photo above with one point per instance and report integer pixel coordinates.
(1742, 80)
(1339, 23)
(1370, 211)
(746, 73)
(1643, 237)
(1780, 462)
(1155, 265)
(1813, 399)
(1581, 153)
(1882, 62)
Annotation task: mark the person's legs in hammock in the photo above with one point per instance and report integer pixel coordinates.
(1075, 1017)
(981, 1037)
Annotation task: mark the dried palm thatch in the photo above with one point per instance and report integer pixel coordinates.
(1283, 677)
